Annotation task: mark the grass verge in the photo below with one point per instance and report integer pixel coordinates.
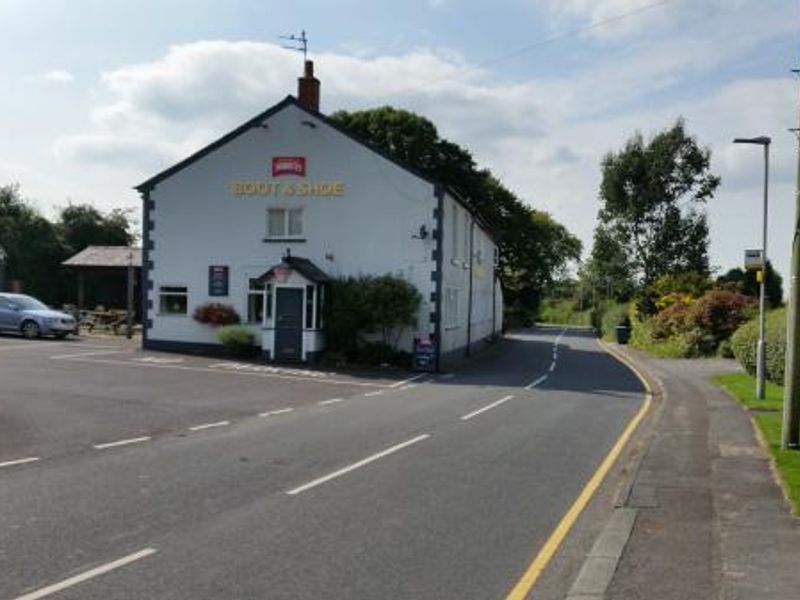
(743, 387)
(787, 462)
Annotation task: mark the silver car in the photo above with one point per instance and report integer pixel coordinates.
(30, 317)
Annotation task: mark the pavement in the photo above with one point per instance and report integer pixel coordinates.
(703, 516)
(131, 474)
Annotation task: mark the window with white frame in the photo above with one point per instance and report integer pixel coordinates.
(284, 223)
(451, 307)
(259, 301)
(172, 300)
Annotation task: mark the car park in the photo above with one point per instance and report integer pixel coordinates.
(32, 318)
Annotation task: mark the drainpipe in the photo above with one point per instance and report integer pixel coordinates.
(469, 300)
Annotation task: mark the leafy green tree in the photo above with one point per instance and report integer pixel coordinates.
(36, 247)
(82, 225)
(652, 195)
(746, 283)
(534, 249)
(32, 244)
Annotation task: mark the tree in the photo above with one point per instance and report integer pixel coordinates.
(32, 244)
(652, 195)
(533, 247)
(746, 283)
(36, 247)
(82, 225)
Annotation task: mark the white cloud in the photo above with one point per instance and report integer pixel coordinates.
(56, 76)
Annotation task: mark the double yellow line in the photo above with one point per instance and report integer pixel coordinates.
(523, 587)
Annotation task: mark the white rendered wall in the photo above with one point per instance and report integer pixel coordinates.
(198, 221)
(486, 315)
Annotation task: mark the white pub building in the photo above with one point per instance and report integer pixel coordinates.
(263, 217)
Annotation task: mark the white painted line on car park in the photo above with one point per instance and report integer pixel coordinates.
(409, 380)
(536, 382)
(82, 354)
(495, 404)
(552, 366)
(39, 345)
(331, 401)
(19, 461)
(209, 425)
(357, 465)
(136, 440)
(249, 367)
(271, 413)
(376, 393)
(159, 360)
(410, 386)
(87, 575)
(130, 363)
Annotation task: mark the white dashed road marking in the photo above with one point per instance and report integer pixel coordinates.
(409, 380)
(331, 401)
(378, 393)
(209, 425)
(495, 404)
(135, 440)
(19, 461)
(87, 575)
(271, 413)
(536, 382)
(356, 465)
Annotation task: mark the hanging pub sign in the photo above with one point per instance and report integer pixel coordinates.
(218, 280)
(753, 260)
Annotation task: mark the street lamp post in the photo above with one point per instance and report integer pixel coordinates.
(763, 141)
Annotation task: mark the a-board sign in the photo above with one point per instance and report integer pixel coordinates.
(218, 280)
(424, 357)
(753, 260)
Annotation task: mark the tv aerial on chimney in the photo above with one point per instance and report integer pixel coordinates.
(299, 43)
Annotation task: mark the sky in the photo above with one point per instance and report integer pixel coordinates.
(98, 95)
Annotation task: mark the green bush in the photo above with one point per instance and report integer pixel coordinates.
(745, 342)
(563, 312)
(237, 339)
(607, 316)
(699, 326)
(358, 306)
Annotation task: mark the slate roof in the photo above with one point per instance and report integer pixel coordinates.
(104, 256)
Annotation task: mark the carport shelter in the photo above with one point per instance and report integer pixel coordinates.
(102, 276)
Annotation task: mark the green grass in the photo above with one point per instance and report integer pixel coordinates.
(787, 462)
(743, 387)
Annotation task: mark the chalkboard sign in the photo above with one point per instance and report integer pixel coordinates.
(424, 358)
(218, 281)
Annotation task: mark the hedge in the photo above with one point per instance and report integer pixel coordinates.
(745, 342)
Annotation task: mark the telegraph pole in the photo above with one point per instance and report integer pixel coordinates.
(790, 431)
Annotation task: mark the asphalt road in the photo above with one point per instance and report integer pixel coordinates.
(369, 487)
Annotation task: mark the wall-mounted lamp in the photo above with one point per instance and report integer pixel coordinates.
(309, 124)
(422, 234)
(329, 256)
(263, 126)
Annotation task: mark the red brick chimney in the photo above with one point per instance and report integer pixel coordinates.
(308, 89)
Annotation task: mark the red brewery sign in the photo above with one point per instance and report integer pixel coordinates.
(288, 165)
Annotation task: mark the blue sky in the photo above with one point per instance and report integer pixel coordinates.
(99, 95)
